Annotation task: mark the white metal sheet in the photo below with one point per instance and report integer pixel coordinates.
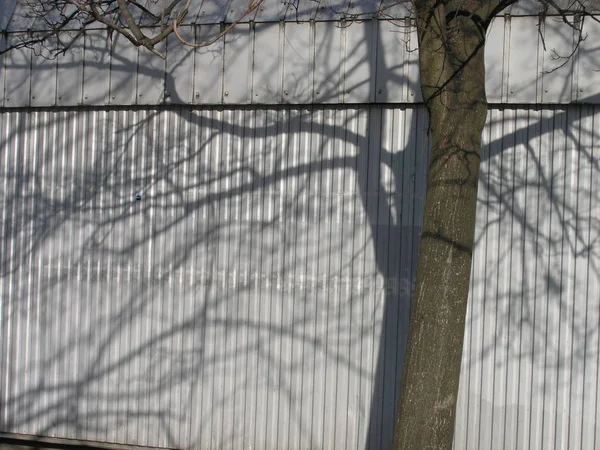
(96, 69)
(588, 59)
(6, 12)
(298, 59)
(283, 241)
(211, 12)
(2, 69)
(397, 63)
(390, 9)
(239, 208)
(123, 71)
(532, 391)
(268, 64)
(558, 62)
(151, 77)
(237, 11)
(328, 86)
(179, 73)
(360, 57)
(69, 76)
(333, 9)
(588, 275)
(238, 60)
(299, 12)
(43, 77)
(272, 11)
(17, 81)
(524, 61)
(496, 60)
(413, 94)
(511, 65)
(208, 67)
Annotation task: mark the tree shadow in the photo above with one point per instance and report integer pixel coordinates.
(255, 245)
(222, 293)
(531, 346)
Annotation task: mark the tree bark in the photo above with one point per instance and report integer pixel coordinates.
(451, 57)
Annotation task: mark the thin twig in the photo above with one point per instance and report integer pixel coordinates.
(251, 8)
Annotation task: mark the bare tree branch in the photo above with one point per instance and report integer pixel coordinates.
(252, 6)
(117, 16)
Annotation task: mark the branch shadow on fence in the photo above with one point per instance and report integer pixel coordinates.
(258, 291)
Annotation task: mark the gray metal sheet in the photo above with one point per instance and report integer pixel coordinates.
(333, 9)
(413, 87)
(535, 7)
(390, 10)
(16, 16)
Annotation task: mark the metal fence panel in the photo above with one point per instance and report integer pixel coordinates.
(530, 369)
(257, 293)
(238, 302)
(306, 62)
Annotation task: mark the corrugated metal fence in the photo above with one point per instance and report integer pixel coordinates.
(237, 304)
(256, 295)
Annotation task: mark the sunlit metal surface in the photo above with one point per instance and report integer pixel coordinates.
(207, 278)
(257, 294)
(531, 358)
(298, 63)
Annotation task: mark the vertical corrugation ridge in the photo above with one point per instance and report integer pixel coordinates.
(14, 310)
(590, 398)
(4, 339)
(5, 242)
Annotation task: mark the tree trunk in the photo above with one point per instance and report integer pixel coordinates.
(451, 58)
